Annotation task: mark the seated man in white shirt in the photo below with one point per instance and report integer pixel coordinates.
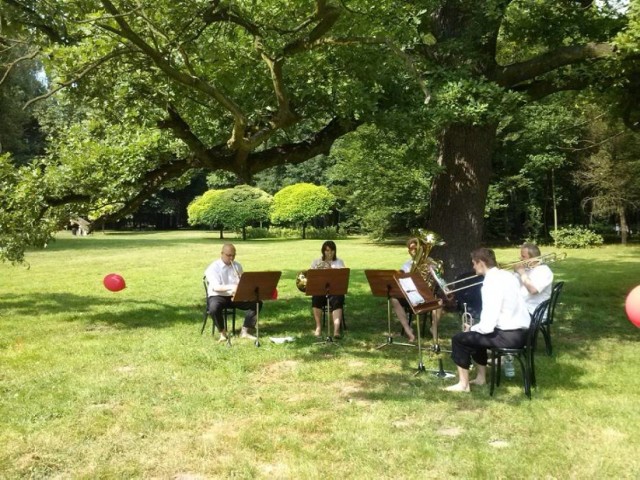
(504, 321)
(223, 276)
(536, 280)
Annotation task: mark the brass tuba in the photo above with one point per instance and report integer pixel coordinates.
(301, 277)
(422, 262)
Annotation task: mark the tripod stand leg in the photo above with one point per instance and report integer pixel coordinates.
(329, 338)
(257, 342)
(389, 336)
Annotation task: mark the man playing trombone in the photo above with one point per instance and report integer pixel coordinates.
(535, 277)
(504, 321)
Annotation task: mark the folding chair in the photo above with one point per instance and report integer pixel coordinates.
(226, 312)
(524, 355)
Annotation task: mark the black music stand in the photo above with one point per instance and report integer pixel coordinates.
(427, 303)
(327, 281)
(253, 287)
(383, 284)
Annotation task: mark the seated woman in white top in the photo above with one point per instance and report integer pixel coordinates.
(336, 302)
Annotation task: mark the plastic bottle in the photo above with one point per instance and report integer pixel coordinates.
(509, 369)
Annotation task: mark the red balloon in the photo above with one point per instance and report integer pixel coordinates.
(274, 294)
(632, 306)
(114, 282)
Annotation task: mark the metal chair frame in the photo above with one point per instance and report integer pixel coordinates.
(226, 312)
(545, 326)
(524, 355)
(343, 323)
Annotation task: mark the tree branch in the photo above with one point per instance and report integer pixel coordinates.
(240, 120)
(37, 21)
(79, 76)
(511, 75)
(543, 88)
(319, 144)
(16, 62)
(181, 130)
(327, 17)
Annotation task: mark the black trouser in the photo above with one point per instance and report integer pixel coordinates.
(217, 303)
(473, 345)
(336, 302)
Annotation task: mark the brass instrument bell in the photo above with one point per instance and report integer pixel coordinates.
(301, 277)
(301, 281)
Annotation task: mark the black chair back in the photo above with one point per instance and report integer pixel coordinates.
(524, 355)
(545, 326)
(553, 300)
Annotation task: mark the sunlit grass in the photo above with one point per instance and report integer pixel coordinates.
(102, 384)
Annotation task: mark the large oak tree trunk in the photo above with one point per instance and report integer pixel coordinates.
(459, 193)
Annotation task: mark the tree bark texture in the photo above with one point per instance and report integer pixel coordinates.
(459, 193)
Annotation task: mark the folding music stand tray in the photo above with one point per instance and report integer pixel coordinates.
(383, 284)
(253, 287)
(327, 281)
(428, 303)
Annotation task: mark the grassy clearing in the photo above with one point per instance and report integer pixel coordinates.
(101, 384)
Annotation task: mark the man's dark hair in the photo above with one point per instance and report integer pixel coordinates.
(485, 255)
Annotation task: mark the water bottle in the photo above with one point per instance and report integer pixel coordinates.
(509, 369)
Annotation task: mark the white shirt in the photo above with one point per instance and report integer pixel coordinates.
(541, 277)
(406, 266)
(502, 305)
(220, 276)
(337, 263)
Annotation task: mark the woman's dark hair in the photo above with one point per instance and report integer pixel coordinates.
(485, 255)
(332, 245)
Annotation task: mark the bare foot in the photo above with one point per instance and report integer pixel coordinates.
(478, 381)
(458, 388)
(318, 332)
(411, 339)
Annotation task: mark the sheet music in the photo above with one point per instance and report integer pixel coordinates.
(412, 292)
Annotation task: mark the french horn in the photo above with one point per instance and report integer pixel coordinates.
(301, 277)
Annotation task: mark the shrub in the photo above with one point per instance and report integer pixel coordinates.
(314, 233)
(259, 232)
(330, 233)
(576, 237)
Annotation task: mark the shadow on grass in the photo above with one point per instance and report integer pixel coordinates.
(125, 313)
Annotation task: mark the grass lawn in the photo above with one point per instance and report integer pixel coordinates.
(95, 384)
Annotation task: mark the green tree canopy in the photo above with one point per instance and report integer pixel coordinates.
(232, 208)
(206, 209)
(234, 86)
(300, 203)
(383, 176)
(244, 86)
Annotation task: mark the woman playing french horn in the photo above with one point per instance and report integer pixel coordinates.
(329, 259)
